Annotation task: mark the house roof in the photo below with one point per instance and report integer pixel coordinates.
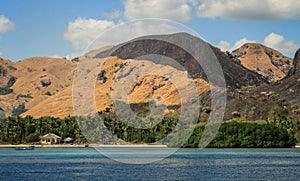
(51, 135)
(68, 139)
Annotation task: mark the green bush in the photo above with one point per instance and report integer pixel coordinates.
(25, 96)
(245, 135)
(11, 81)
(5, 90)
(18, 110)
(48, 93)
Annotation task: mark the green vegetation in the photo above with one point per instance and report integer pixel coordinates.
(6, 90)
(11, 81)
(76, 59)
(12, 68)
(140, 134)
(263, 134)
(280, 117)
(18, 110)
(24, 96)
(29, 69)
(101, 76)
(245, 135)
(16, 130)
(278, 131)
(48, 93)
(45, 83)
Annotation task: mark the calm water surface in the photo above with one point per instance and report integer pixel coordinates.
(186, 164)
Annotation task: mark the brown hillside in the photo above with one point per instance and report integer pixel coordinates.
(60, 105)
(6, 71)
(264, 60)
(37, 79)
(235, 75)
(253, 74)
(255, 103)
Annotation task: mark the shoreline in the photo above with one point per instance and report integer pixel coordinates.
(91, 145)
(82, 146)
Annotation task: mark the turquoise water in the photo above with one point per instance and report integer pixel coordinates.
(186, 164)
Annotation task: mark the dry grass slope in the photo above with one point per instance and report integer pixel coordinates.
(266, 61)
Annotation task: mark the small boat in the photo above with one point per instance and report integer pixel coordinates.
(25, 148)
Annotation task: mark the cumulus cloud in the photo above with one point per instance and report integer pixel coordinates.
(1, 53)
(278, 42)
(273, 40)
(113, 15)
(69, 56)
(72, 55)
(5, 24)
(226, 46)
(55, 56)
(81, 32)
(249, 10)
(178, 10)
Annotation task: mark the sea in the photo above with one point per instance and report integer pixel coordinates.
(80, 163)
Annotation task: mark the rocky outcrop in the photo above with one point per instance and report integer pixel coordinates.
(296, 64)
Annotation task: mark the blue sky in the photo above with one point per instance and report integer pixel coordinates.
(64, 28)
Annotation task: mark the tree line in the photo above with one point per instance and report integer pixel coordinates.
(107, 129)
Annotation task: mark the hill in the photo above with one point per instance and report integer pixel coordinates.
(269, 63)
(258, 78)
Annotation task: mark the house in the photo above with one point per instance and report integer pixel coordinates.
(50, 138)
(68, 140)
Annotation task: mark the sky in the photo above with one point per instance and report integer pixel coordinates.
(64, 28)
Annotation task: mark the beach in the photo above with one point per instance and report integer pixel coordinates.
(83, 145)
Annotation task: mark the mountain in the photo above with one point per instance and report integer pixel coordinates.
(256, 77)
(269, 63)
(255, 103)
(35, 80)
(296, 64)
(236, 75)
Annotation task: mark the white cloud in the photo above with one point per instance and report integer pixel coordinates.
(194, 2)
(226, 46)
(178, 10)
(278, 42)
(113, 15)
(241, 42)
(249, 10)
(5, 24)
(81, 32)
(55, 56)
(70, 56)
(1, 53)
(273, 40)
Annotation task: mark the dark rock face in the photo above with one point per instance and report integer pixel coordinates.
(235, 75)
(3, 72)
(296, 64)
